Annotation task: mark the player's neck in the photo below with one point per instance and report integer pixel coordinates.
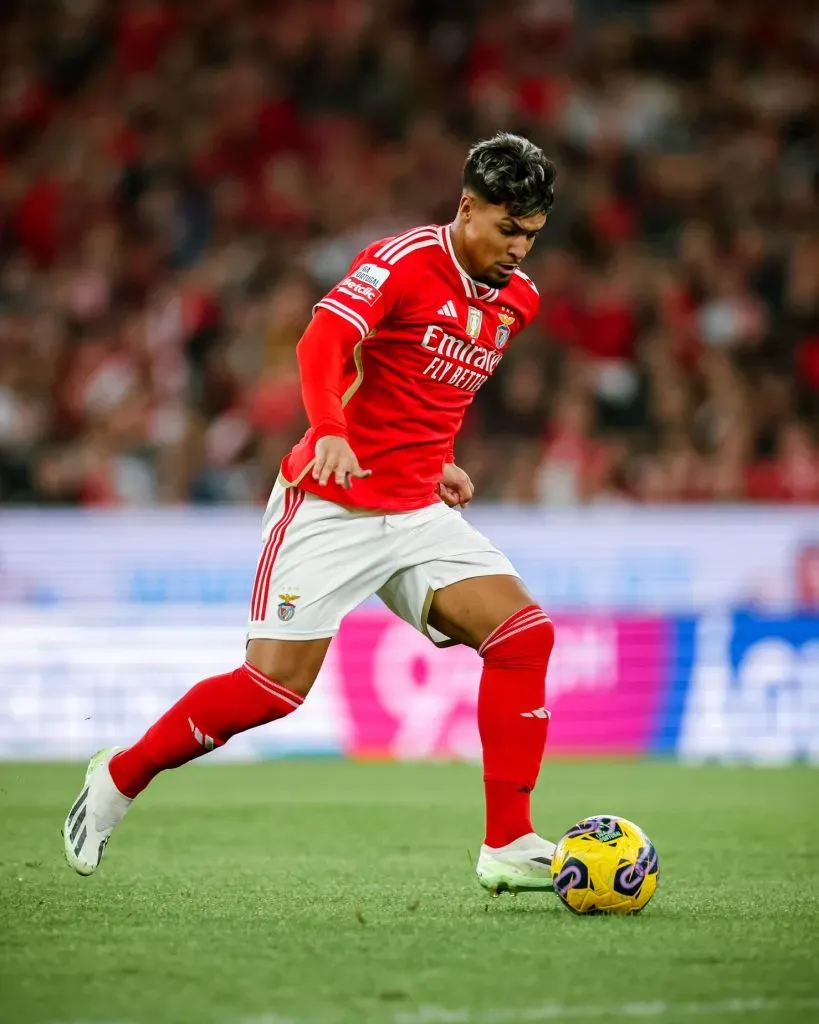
(455, 230)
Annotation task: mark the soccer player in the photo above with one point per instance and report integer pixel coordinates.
(367, 502)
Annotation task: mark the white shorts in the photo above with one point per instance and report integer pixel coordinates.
(321, 560)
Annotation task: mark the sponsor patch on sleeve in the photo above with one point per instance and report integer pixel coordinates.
(371, 274)
(364, 283)
(355, 289)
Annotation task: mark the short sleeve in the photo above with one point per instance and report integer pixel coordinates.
(367, 294)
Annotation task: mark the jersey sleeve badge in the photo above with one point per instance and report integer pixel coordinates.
(474, 321)
(365, 283)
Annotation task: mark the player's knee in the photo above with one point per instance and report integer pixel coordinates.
(525, 640)
(294, 665)
(297, 682)
(271, 699)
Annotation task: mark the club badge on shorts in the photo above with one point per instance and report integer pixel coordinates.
(507, 321)
(474, 321)
(286, 608)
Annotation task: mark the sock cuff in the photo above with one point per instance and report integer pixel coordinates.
(290, 697)
(525, 619)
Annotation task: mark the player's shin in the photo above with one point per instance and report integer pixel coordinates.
(513, 720)
(206, 717)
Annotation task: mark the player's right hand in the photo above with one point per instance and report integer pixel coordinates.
(336, 459)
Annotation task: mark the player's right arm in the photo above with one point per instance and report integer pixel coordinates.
(335, 458)
(342, 319)
(321, 353)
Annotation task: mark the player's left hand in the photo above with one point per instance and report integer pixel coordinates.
(455, 487)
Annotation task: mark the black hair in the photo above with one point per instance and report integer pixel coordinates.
(508, 170)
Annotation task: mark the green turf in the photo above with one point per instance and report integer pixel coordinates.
(328, 892)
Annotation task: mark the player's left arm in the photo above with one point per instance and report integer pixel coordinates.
(455, 487)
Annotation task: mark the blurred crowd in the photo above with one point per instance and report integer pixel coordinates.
(179, 182)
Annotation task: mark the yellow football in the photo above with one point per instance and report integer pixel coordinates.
(605, 865)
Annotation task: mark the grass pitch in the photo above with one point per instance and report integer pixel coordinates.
(328, 892)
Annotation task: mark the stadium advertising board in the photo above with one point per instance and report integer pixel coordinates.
(745, 688)
(406, 699)
(107, 617)
(640, 560)
(73, 681)
(727, 687)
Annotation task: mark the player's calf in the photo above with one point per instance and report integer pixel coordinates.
(205, 718)
(513, 724)
(513, 720)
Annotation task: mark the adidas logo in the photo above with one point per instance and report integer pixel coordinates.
(448, 309)
(537, 713)
(201, 738)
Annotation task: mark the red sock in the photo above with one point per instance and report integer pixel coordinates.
(206, 717)
(512, 720)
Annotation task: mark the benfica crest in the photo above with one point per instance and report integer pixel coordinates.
(287, 609)
(504, 330)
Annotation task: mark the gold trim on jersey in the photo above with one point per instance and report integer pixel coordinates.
(425, 610)
(295, 483)
(425, 607)
(345, 398)
(359, 367)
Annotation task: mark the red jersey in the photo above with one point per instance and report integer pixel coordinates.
(423, 338)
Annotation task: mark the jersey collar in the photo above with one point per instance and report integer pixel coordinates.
(473, 289)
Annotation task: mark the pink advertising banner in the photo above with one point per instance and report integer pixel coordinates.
(406, 699)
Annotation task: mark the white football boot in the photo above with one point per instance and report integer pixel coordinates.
(96, 812)
(524, 865)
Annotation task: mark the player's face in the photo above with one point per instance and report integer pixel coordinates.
(494, 241)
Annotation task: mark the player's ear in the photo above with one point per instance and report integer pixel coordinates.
(465, 206)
